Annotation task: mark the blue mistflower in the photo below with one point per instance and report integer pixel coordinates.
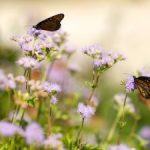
(130, 85)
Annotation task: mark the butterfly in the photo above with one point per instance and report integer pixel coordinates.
(142, 83)
(51, 23)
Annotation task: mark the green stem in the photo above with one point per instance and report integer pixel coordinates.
(47, 73)
(15, 113)
(21, 120)
(113, 128)
(96, 77)
(124, 104)
(39, 110)
(49, 118)
(78, 138)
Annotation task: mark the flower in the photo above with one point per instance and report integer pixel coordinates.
(102, 59)
(8, 129)
(86, 111)
(145, 133)
(120, 147)
(145, 72)
(130, 86)
(93, 50)
(6, 81)
(28, 62)
(120, 98)
(58, 37)
(35, 85)
(20, 79)
(53, 141)
(33, 32)
(54, 100)
(118, 56)
(34, 134)
(53, 87)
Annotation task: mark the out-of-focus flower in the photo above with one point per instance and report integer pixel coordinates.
(55, 87)
(54, 100)
(34, 134)
(145, 72)
(120, 147)
(118, 56)
(51, 87)
(74, 67)
(8, 129)
(54, 141)
(86, 111)
(6, 81)
(35, 85)
(11, 82)
(120, 98)
(33, 32)
(26, 47)
(58, 37)
(130, 85)
(145, 133)
(28, 62)
(20, 79)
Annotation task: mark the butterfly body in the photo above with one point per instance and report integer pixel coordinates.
(50, 24)
(142, 83)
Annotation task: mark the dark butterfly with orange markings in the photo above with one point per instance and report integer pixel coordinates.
(142, 83)
(50, 24)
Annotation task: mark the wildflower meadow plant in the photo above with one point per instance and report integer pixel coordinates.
(44, 114)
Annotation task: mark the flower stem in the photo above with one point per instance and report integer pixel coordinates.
(113, 128)
(39, 110)
(49, 117)
(21, 120)
(78, 138)
(95, 84)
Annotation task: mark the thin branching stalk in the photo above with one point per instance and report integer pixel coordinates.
(49, 118)
(113, 128)
(78, 138)
(96, 77)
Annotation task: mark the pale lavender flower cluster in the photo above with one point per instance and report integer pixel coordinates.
(145, 134)
(53, 87)
(145, 72)
(102, 58)
(119, 100)
(53, 141)
(50, 88)
(28, 62)
(35, 85)
(58, 37)
(34, 134)
(53, 100)
(20, 79)
(130, 85)
(6, 81)
(86, 111)
(120, 147)
(8, 129)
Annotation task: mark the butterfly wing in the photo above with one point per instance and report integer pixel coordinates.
(143, 85)
(50, 24)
